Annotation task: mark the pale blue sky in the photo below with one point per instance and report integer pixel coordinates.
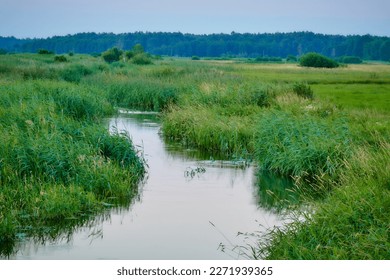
(43, 18)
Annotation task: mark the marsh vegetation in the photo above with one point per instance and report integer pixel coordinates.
(327, 130)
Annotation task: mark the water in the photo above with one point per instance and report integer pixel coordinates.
(189, 205)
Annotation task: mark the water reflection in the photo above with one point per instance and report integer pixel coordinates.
(174, 217)
(277, 193)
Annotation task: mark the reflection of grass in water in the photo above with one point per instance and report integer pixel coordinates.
(276, 193)
(191, 172)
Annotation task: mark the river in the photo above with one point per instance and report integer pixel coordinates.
(190, 206)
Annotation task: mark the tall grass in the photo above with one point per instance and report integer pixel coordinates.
(205, 128)
(301, 145)
(142, 94)
(352, 223)
(58, 164)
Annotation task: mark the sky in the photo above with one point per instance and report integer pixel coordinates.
(46, 18)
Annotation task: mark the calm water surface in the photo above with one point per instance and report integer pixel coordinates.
(176, 215)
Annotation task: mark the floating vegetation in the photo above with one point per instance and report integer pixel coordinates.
(192, 172)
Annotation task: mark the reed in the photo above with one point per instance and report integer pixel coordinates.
(59, 165)
(301, 145)
(351, 223)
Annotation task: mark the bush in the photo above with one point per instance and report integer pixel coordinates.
(195, 57)
(43, 51)
(303, 90)
(60, 58)
(129, 54)
(142, 59)
(111, 55)
(317, 60)
(137, 49)
(75, 72)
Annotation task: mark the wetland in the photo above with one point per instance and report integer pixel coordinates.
(235, 146)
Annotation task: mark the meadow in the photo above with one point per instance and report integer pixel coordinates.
(326, 130)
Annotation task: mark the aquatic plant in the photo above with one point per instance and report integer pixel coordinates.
(301, 145)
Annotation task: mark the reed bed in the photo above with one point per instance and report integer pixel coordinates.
(59, 166)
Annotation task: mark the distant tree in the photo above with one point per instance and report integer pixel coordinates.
(385, 50)
(3, 51)
(43, 51)
(317, 60)
(291, 58)
(136, 52)
(137, 49)
(212, 45)
(195, 57)
(111, 55)
(350, 60)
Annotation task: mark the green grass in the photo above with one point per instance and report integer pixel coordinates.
(351, 223)
(329, 129)
(302, 145)
(59, 166)
(357, 96)
(210, 130)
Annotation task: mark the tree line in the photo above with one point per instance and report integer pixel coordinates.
(366, 47)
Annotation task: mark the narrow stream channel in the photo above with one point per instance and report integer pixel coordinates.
(181, 213)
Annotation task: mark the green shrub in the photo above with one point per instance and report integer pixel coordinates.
(43, 51)
(137, 49)
(303, 90)
(111, 55)
(317, 60)
(129, 54)
(195, 57)
(75, 72)
(142, 59)
(60, 58)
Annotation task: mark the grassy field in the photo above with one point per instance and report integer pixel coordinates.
(327, 129)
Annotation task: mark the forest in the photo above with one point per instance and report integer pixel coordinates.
(281, 45)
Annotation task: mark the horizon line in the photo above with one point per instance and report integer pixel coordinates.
(188, 33)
